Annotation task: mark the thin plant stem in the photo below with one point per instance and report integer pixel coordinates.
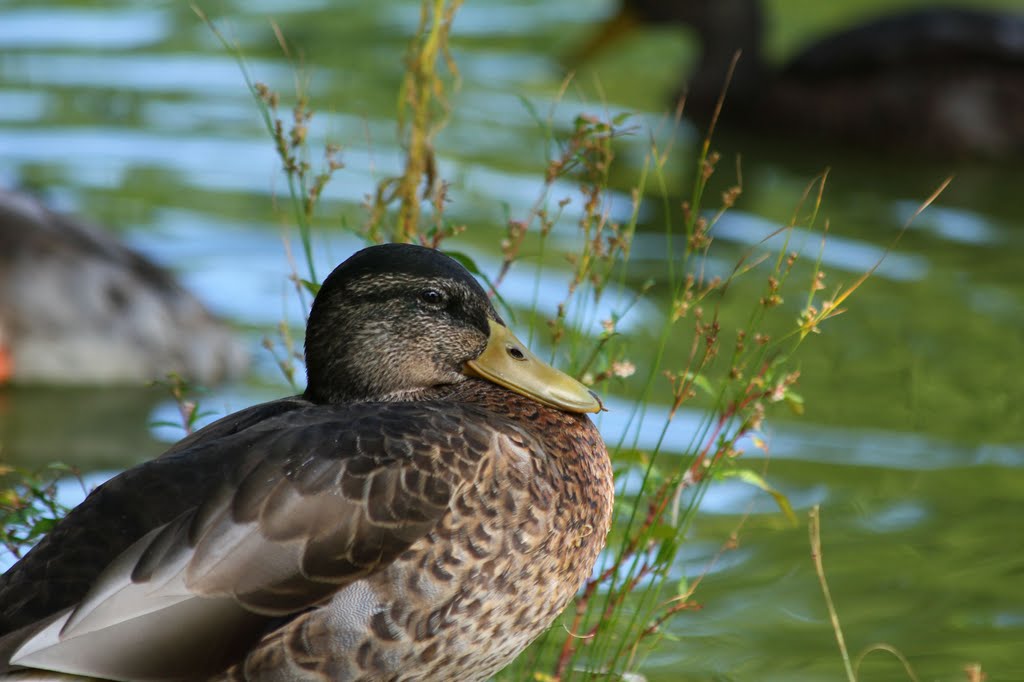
(814, 528)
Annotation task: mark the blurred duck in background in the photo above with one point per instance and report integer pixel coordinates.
(938, 82)
(77, 307)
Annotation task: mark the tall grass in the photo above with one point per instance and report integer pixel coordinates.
(623, 609)
(736, 374)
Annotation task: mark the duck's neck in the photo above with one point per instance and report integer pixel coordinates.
(334, 396)
(725, 27)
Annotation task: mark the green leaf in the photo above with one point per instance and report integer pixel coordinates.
(466, 262)
(795, 402)
(531, 110)
(755, 479)
(663, 531)
(42, 527)
(165, 424)
(701, 382)
(667, 548)
(470, 265)
(631, 456)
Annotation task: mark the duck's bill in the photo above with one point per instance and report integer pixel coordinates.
(507, 361)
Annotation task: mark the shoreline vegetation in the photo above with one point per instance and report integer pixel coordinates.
(736, 376)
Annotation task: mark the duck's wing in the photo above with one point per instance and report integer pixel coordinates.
(63, 566)
(313, 500)
(924, 38)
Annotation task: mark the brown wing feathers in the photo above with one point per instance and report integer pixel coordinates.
(298, 506)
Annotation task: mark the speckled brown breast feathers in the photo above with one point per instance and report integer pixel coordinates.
(523, 528)
(422, 512)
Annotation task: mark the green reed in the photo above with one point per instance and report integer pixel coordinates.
(701, 356)
(738, 373)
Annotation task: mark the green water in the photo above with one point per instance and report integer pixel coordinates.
(912, 440)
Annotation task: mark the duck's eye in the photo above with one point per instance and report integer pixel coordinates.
(432, 296)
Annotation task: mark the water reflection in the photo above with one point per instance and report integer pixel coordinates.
(23, 106)
(74, 425)
(849, 255)
(103, 157)
(199, 75)
(913, 438)
(958, 225)
(92, 29)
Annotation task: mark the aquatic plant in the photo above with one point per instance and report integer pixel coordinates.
(733, 359)
(739, 374)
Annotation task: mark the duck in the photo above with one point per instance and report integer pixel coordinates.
(77, 307)
(936, 82)
(422, 511)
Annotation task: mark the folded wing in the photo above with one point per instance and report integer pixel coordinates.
(310, 501)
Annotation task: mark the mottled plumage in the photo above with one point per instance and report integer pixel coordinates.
(424, 525)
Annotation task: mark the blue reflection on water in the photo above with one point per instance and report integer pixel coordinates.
(952, 224)
(896, 516)
(22, 106)
(239, 271)
(164, 74)
(865, 447)
(105, 29)
(284, 6)
(99, 157)
(845, 253)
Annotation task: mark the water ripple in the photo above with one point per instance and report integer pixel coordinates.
(63, 27)
(839, 252)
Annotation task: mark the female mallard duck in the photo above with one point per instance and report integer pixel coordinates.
(941, 82)
(77, 307)
(422, 512)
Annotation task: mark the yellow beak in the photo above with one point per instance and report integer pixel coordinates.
(507, 361)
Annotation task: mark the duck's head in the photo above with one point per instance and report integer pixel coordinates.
(398, 320)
